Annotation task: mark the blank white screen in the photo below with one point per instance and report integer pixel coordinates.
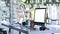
(39, 15)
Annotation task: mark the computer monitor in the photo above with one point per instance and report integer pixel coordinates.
(39, 16)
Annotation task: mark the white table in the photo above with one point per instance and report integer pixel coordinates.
(52, 29)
